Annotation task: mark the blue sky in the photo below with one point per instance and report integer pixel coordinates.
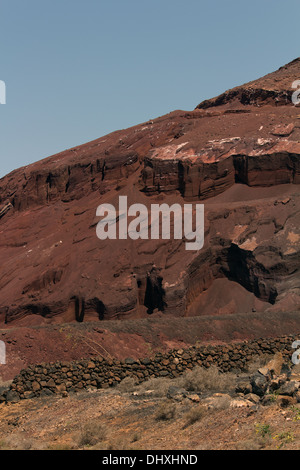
(78, 69)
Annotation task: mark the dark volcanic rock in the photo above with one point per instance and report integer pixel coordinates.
(259, 384)
(289, 388)
(274, 89)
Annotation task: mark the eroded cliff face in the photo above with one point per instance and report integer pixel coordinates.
(239, 157)
(221, 164)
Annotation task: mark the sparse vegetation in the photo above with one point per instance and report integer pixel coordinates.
(3, 444)
(117, 444)
(136, 437)
(129, 384)
(200, 379)
(165, 411)
(222, 403)
(249, 444)
(130, 421)
(91, 434)
(158, 386)
(4, 385)
(195, 414)
(263, 429)
(60, 447)
(272, 397)
(284, 438)
(162, 413)
(257, 362)
(297, 413)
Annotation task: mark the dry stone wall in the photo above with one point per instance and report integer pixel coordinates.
(61, 377)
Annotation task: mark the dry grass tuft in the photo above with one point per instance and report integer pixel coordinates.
(127, 385)
(92, 434)
(195, 414)
(165, 411)
(258, 362)
(158, 386)
(200, 379)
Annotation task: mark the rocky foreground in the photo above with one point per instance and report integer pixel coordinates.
(201, 410)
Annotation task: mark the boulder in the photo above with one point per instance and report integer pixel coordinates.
(253, 398)
(285, 401)
(12, 397)
(289, 388)
(244, 387)
(259, 384)
(278, 381)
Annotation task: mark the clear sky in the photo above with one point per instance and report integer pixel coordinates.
(76, 70)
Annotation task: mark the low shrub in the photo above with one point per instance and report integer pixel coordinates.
(165, 411)
(91, 434)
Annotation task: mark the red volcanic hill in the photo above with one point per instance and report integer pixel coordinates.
(238, 154)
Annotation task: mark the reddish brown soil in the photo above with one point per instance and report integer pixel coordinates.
(134, 338)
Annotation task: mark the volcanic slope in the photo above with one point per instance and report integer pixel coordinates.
(238, 154)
